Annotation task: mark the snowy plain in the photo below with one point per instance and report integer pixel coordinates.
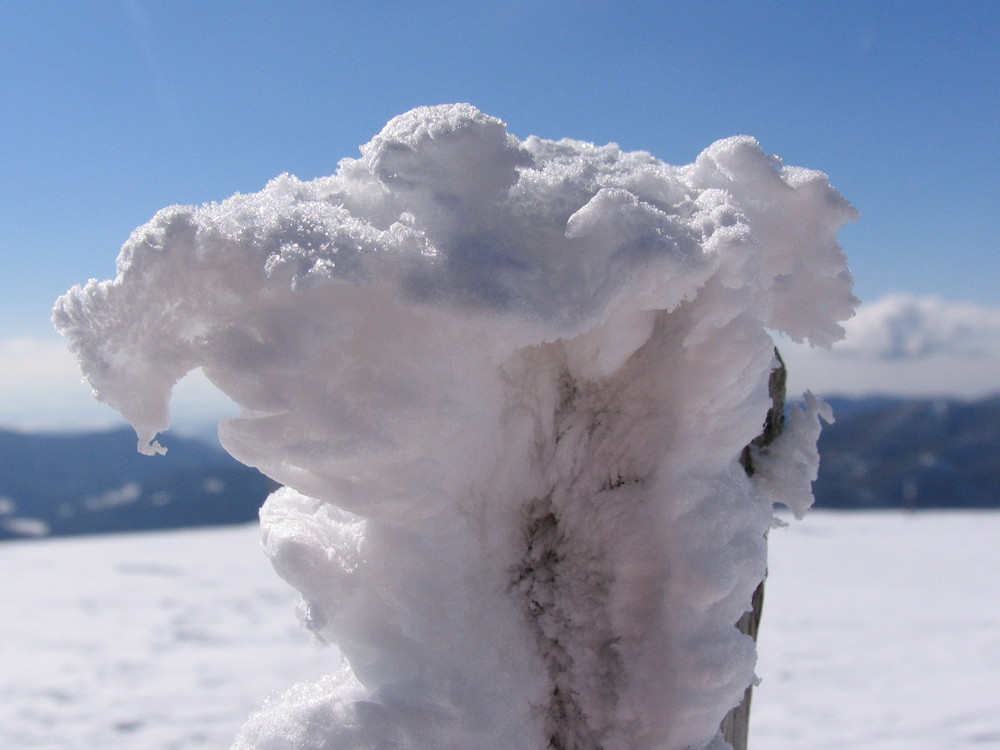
(881, 631)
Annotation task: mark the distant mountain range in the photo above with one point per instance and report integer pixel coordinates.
(880, 453)
(910, 453)
(87, 483)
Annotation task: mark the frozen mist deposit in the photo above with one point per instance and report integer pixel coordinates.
(506, 385)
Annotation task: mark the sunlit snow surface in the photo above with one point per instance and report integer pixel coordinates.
(881, 632)
(155, 641)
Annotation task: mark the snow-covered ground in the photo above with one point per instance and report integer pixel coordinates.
(881, 632)
(161, 641)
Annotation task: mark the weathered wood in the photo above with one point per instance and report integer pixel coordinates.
(735, 726)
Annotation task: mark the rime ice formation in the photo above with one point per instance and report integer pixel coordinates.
(506, 385)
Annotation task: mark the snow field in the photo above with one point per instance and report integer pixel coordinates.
(881, 631)
(161, 641)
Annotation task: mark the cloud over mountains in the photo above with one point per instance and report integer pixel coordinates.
(908, 346)
(902, 326)
(41, 388)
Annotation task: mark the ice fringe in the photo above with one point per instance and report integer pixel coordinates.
(507, 385)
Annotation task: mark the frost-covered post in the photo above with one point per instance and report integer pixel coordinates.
(736, 724)
(507, 386)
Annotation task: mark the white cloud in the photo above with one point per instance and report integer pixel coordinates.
(27, 364)
(906, 345)
(905, 327)
(41, 388)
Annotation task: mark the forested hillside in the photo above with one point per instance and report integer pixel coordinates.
(85, 483)
(910, 453)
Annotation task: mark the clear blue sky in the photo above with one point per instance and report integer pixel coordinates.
(112, 109)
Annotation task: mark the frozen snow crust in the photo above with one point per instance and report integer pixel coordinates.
(506, 385)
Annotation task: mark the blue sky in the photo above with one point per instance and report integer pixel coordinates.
(112, 109)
